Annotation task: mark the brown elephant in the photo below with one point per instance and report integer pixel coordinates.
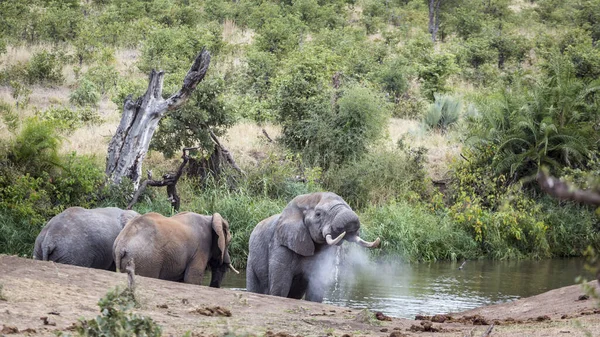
(177, 248)
(291, 254)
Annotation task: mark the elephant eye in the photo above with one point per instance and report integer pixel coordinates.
(318, 214)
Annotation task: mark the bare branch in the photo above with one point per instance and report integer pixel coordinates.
(226, 153)
(561, 190)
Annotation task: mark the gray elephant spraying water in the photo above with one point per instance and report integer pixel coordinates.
(291, 254)
(177, 248)
(82, 237)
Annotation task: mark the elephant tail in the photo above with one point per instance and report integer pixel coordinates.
(46, 251)
(119, 257)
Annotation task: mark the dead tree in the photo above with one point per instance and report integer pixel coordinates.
(169, 180)
(129, 144)
(434, 18)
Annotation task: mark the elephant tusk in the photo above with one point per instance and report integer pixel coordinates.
(367, 244)
(335, 241)
(233, 269)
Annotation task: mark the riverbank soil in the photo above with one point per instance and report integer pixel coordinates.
(42, 298)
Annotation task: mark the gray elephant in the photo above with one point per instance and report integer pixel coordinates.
(291, 254)
(82, 237)
(177, 248)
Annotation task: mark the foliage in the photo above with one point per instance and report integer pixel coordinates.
(380, 177)
(68, 120)
(9, 117)
(415, 233)
(45, 68)
(547, 124)
(36, 183)
(277, 177)
(188, 126)
(171, 49)
(434, 71)
(85, 94)
(114, 320)
(20, 93)
(442, 113)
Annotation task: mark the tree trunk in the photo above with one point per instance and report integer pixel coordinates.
(434, 18)
(129, 144)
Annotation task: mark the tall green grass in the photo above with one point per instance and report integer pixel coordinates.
(415, 233)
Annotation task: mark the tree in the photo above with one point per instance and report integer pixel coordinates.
(129, 144)
(434, 18)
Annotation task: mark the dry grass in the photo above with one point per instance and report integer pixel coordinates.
(93, 140)
(519, 5)
(441, 148)
(232, 34)
(247, 142)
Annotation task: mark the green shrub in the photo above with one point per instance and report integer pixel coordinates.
(442, 113)
(279, 35)
(434, 71)
(204, 110)
(9, 117)
(277, 177)
(393, 77)
(114, 320)
(415, 233)
(543, 124)
(45, 68)
(380, 177)
(104, 79)
(20, 93)
(79, 181)
(85, 94)
(68, 120)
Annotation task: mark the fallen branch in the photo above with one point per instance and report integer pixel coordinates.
(169, 180)
(267, 135)
(225, 152)
(488, 331)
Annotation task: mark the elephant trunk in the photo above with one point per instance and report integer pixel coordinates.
(344, 220)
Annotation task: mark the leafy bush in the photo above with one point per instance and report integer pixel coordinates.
(434, 71)
(9, 117)
(104, 79)
(68, 120)
(37, 183)
(85, 94)
(114, 320)
(45, 67)
(172, 49)
(442, 113)
(188, 126)
(380, 177)
(547, 124)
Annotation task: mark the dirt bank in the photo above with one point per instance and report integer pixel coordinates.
(63, 294)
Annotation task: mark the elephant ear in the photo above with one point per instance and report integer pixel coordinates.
(292, 233)
(126, 216)
(221, 228)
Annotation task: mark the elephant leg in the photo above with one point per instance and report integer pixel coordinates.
(281, 271)
(195, 270)
(298, 288)
(315, 291)
(253, 283)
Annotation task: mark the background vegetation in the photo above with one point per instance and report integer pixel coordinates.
(434, 144)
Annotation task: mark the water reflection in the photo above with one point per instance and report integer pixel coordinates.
(404, 290)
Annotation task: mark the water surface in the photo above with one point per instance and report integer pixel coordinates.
(404, 290)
